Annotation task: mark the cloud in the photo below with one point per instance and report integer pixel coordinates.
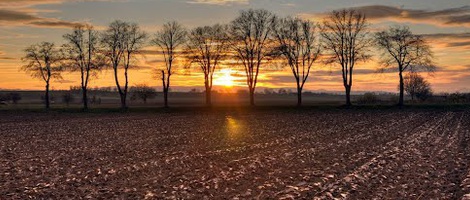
(65, 81)
(446, 17)
(461, 40)
(55, 23)
(459, 44)
(18, 18)
(449, 36)
(9, 15)
(219, 2)
(457, 69)
(140, 67)
(5, 57)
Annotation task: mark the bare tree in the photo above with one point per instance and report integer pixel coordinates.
(171, 37)
(134, 42)
(43, 62)
(207, 47)
(249, 36)
(82, 54)
(346, 41)
(404, 51)
(298, 43)
(416, 86)
(121, 41)
(144, 92)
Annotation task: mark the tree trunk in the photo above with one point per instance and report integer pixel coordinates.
(47, 96)
(252, 97)
(85, 98)
(165, 88)
(299, 96)
(208, 96)
(348, 95)
(402, 89)
(123, 101)
(165, 97)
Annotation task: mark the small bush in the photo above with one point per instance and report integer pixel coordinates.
(13, 97)
(368, 98)
(143, 92)
(424, 94)
(458, 98)
(394, 98)
(67, 98)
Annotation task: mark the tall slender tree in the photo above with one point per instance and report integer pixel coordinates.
(169, 40)
(250, 41)
(121, 42)
(346, 39)
(404, 51)
(43, 61)
(298, 43)
(82, 54)
(206, 48)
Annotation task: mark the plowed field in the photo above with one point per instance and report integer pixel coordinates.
(237, 154)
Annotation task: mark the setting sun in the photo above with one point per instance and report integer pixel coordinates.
(224, 78)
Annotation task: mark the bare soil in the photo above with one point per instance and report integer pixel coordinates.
(237, 154)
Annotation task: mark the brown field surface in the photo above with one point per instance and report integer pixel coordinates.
(236, 154)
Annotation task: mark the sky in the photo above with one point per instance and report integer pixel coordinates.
(445, 24)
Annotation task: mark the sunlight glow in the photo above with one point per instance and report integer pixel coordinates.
(224, 78)
(234, 128)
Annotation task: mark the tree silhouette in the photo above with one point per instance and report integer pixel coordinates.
(83, 56)
(298, 43)
(43, 62)
(121, 41)
(405, 50)
(416, 86)
(249, 36)
(346, 41)
(206, 48)
(143, 92)
(171, 37)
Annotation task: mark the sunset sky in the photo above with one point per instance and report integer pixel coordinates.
(446, 24)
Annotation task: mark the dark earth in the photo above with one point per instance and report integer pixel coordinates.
(236, 154)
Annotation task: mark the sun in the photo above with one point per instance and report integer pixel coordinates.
(224, 78)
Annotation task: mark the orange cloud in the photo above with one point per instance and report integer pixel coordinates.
(17, 18)
(5, 57)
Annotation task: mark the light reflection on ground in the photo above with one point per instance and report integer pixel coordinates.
(234, 128)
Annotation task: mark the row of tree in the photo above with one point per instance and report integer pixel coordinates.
(252, 41)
